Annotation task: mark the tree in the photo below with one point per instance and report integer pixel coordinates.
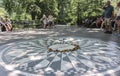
(47, 7)
(34, 10)
(66, 11)
(9, 6)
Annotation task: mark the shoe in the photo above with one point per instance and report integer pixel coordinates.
(118, 35)
(109, 32)
(106, 31)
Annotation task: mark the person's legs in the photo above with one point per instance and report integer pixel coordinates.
(51, 24)
(119, 27)
(108, 26)
(44, 26)
(3, 28)
(97, 24)
(102, 24)
(48, 25)
(9, 27)
(118, 24)
(115, 26)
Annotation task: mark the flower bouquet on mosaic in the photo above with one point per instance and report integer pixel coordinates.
(63, 47)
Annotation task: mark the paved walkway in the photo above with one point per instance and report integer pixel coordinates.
(26, 53)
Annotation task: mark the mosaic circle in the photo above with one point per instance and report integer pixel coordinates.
(32, 57)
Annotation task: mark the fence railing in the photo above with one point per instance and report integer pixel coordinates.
(26, 24)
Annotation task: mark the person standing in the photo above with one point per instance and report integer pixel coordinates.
(108, 14)
(44, 19)
(118, 18)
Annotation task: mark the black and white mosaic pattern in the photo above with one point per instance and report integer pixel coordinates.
(32, 58)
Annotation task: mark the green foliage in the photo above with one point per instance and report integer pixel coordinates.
(9, 6)
(47, 7)
(65, 11)
(2, 12)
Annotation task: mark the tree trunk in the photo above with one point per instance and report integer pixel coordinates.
(33, 15)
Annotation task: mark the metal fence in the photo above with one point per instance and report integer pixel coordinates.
(26, 24)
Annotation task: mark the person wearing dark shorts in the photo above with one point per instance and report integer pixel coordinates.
(108, 14)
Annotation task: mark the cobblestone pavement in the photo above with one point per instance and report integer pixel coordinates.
(28, 52)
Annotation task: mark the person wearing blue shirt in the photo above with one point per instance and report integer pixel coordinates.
(108, 14)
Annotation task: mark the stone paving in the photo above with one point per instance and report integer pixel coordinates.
(26, 53)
